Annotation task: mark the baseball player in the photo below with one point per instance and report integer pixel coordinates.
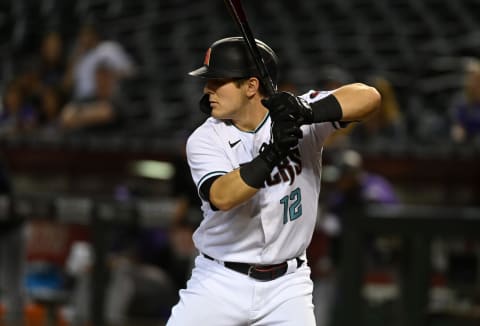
(256, 162)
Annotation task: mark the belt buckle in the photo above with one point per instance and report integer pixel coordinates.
(253, 272)
(250, 270)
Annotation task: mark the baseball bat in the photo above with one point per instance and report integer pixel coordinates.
(236, 10)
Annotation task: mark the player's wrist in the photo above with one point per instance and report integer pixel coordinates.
(327, 109)
(305, 110)
(255, 172)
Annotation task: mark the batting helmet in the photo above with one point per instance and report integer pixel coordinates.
(230, 58)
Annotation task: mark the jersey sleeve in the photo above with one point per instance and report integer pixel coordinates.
(206, 156)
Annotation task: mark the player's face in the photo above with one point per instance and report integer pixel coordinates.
(226, 97)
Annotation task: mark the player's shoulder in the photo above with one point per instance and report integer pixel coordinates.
(314, 95)
(201, 129)
(204, 131)
(208, 125)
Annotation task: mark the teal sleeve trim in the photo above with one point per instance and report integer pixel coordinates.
(208, 176)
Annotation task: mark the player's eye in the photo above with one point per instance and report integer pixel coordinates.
(217, 82)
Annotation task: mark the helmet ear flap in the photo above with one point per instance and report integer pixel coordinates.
(204, 104)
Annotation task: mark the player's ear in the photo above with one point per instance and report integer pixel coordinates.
(253, 86)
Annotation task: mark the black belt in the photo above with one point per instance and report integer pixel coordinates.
(259, 272)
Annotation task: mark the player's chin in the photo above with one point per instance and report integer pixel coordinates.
(218, 113)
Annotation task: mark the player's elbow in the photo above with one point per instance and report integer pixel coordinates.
(219, 198)
(221, 202)
(230, 191)
(375, 98)
(227, 198)
(370, 98)
(366, 101)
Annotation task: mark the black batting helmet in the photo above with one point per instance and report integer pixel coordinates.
(230, 58)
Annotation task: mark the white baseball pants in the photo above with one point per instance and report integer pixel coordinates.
(218, 296)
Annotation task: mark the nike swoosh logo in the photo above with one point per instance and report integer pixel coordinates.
(235, 143)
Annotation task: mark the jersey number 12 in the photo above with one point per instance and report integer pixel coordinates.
(292, 206)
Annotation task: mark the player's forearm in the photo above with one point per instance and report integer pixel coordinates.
(357, 101)
(229, 191)
(238, 186)
(351, 102)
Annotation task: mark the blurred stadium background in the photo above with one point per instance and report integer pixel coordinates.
(90, 205)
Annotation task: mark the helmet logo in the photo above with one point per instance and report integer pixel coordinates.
(206, 61)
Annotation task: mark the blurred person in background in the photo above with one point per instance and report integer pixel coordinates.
(353, 181)
(103, 110)
(45, 67)
(349, 186)
(17, 114)
(355, 186)
(458, 258)
(51, 70)
(12, 257)
(50, 107)
(169, 249)
(51, 65)
(186, 219)
(147, 264)
(385, 125)
(465, 108)
(89, 51)
(34, 96)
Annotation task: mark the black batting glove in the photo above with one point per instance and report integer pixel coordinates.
(270, 155)
(285, 134)
(284, 106)
(284, 137)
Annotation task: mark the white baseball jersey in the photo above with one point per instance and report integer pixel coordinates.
(277, 223)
